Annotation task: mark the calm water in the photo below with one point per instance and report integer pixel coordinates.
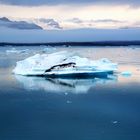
(70, 109)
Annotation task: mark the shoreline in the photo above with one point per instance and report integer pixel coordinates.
(67, 44)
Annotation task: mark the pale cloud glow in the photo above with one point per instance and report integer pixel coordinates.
(62, 13)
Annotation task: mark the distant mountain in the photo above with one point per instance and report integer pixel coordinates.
(22, 25)
(48, 23)
(4, 19)
(75, 35)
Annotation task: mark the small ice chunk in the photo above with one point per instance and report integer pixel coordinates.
(15, 51)
(126, 73)
(69, 102)
(66, 93)
(49, 50)
(114, 122)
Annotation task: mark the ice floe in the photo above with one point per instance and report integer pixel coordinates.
(48, 50)
(14, 50)
(126, 73)
(64, 64)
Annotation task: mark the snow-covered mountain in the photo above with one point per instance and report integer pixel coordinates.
(48, 24)
(22, 25)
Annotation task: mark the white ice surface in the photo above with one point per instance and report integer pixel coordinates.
(39, 63)
(14, 50)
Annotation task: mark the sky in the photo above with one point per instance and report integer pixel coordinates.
(76, 13)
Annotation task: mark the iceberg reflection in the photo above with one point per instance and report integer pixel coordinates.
(60, 85)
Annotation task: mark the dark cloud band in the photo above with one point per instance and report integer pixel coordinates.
(57, 2)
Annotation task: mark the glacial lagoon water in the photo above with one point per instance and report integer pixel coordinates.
(33, 108)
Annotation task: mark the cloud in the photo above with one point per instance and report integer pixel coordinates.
(61, 2)
(75, 20)
(98, 23)
(74, 16)
(80, 21)
(107, 21)
(22, 25)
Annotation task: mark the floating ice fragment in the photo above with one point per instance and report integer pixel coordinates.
(49, 50)
(14, 50)
(66, 93)
(69, 102)
(126, 73)
(114, 122)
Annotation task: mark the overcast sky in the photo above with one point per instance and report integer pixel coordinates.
(95, 13)
(61, 2)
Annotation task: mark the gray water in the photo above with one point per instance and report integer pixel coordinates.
(34, 108)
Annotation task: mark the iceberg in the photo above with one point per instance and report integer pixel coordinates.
(64, 64)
